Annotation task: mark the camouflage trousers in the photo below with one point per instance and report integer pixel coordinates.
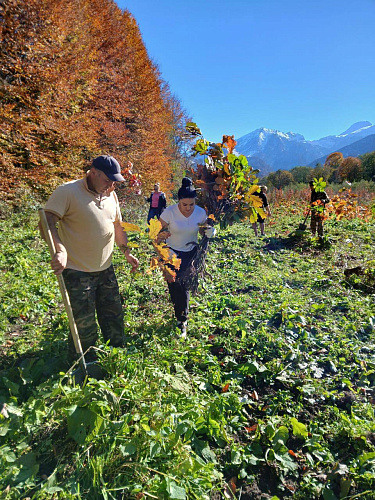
(95, 296)
(316, 223)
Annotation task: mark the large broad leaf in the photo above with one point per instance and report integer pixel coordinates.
(51, 486)
(286, 462)
(299, 429)
(154, 264)
(201, 146)
(280, 438)
(163, 251)
(253, 189)
(130, 227)
(261, 212)
(154, 228)
(229, 143)
(4, 429)
(249, 368)
(8, 455)
(127, 449)
(253, 200)
(155, 449)
(169, 274)
(227, 169)
(319, 184)
(175, 491)
(253, 216)
(29, 467)
(175, 261)
(83, 423)
(328, 494)
(193, 129)
(367, 461)
(177, 383)
(209, 455)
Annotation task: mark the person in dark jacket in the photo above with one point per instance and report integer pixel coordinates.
(157, 202)
(318, 201)
(263, 196)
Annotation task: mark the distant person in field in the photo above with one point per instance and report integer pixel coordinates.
(88, 217)
(263, 196)
(157, 202)
(318, 201)
(181, 223)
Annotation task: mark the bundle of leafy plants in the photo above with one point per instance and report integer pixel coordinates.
(227, 188)
(227, 184)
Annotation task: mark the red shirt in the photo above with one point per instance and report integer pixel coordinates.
(155, 200)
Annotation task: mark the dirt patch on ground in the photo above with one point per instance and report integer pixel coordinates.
(265, 486)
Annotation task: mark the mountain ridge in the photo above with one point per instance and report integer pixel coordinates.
(354, 149)
(270, 149)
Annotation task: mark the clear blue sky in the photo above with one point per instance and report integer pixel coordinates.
(305, 66)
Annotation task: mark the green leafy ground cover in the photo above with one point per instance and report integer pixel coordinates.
(271, 396)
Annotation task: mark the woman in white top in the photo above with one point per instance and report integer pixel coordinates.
(182, 222)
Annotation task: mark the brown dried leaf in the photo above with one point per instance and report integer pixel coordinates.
(169, 274)
(154, 264)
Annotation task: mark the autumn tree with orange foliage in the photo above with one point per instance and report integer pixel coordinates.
(76, 81)
(342, 169)
(350, 169)
(331, 166)
(333, 160)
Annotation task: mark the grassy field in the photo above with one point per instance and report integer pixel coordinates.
(271, 396)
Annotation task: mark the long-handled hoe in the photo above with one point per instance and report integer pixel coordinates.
(84, 370)
(303, 226)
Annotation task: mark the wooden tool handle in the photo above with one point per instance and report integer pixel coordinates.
(63, 290)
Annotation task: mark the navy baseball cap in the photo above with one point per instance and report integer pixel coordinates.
(109, 166)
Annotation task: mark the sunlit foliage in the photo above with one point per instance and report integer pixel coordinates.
(227, 184)
(76, 81)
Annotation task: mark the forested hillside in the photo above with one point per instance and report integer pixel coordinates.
(76, 81)
(336, 169)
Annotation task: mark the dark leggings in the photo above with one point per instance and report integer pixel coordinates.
(178, 291)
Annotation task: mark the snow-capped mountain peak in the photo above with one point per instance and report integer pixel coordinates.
(356, 127)
(272, 149)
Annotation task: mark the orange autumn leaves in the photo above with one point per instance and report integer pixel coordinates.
(165, 260)
(76, 83)
(345, 206)
(342, 206)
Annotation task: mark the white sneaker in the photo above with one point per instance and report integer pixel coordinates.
(181, 325)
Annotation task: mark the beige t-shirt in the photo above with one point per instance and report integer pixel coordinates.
(87, 223)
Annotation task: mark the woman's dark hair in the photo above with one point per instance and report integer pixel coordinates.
(187, 189)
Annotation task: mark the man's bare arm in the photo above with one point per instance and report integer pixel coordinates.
(121, 240)
(58, 262)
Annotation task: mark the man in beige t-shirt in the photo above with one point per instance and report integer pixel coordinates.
(88, 216)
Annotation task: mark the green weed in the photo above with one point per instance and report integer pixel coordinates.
(271, 394)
